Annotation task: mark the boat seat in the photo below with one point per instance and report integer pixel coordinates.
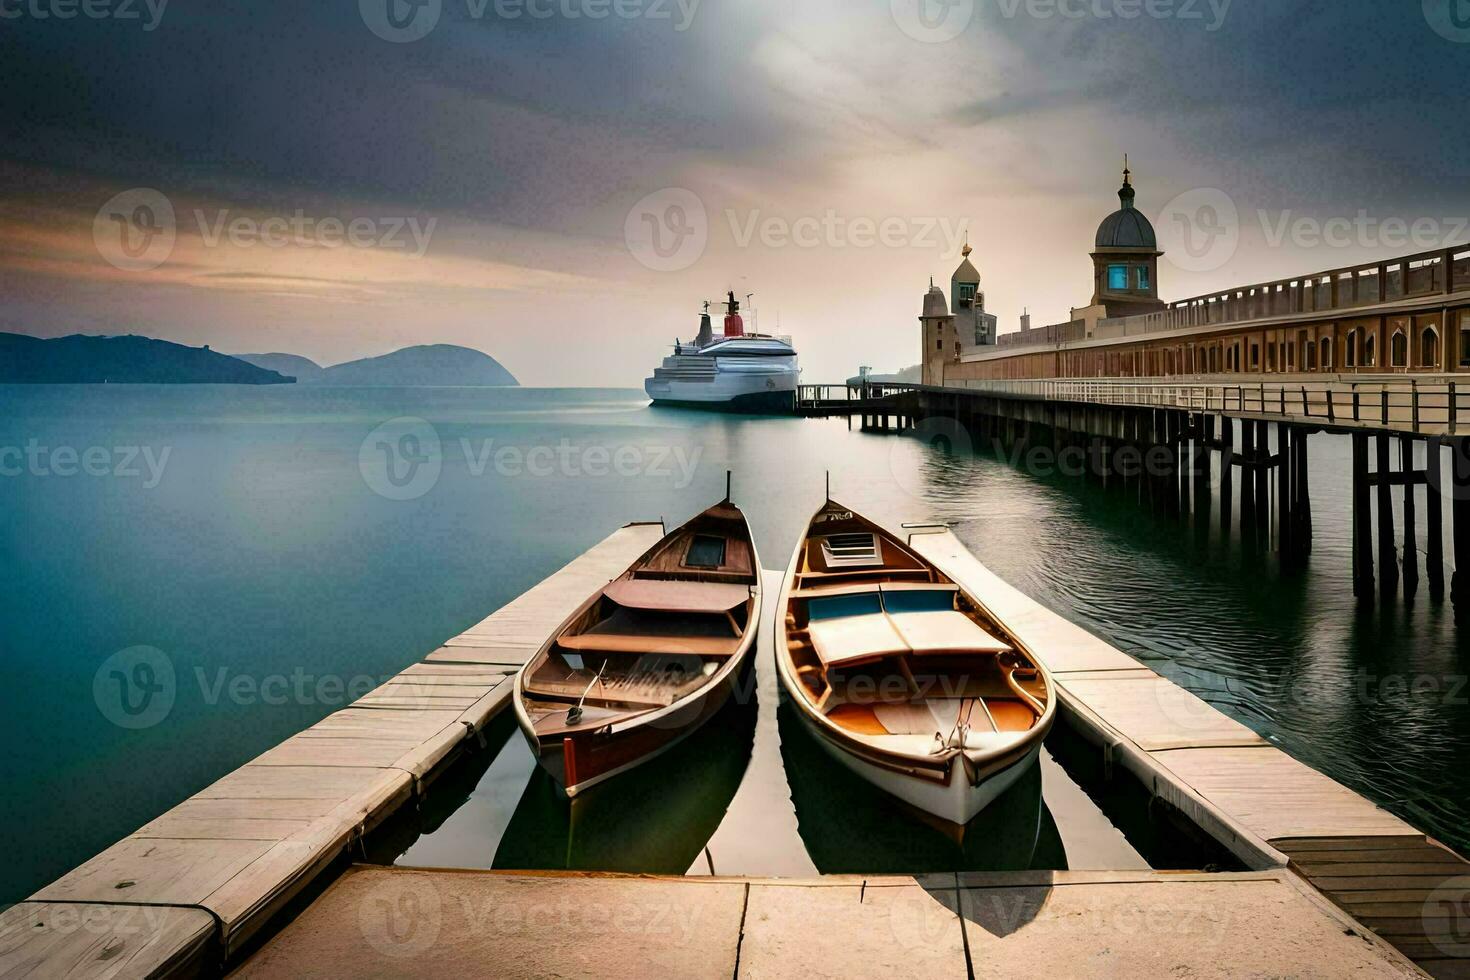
(944, 631)
(677, 597)
(854, 639)
(856, 588)
(703, 646)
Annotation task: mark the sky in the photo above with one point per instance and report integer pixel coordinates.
(562, 183)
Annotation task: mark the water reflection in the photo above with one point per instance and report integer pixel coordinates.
(850, 826)
(654, 819)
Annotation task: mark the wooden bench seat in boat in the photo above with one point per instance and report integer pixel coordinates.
(703, 646)
(944, 632)
(679, 597)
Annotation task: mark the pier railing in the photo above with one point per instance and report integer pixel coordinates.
(820, 396)
(1419, 406)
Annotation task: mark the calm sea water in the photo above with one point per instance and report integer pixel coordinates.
(253, 543)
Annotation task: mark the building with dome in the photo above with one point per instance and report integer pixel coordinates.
(946, 334)
(1125, 259)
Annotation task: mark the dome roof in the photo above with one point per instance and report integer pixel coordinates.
(934, 304)
(1126, 227)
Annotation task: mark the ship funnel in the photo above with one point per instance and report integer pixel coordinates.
(706, 330)
(734, 325)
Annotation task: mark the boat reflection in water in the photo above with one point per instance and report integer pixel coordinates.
(849, 826)
(654, 819)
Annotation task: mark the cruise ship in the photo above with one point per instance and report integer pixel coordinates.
(734, 372)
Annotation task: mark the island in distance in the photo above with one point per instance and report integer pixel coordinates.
(79, 359)
(435, 364)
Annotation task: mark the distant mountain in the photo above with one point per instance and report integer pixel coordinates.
(121, 360)
(303, 369)
(439, 364)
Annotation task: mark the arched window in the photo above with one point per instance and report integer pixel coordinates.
(1309, 356)
(1398, 349)
(1350, 349)
(1326, 346)
(1429, 348)
(1370, 351)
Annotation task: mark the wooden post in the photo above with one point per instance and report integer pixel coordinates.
(1247, 480)
(1302, 485)
(1433, 489)
(1283, 489)
(1263, 480)
(1362, 520)
(1411, 547)
(1460, 507)
(1227, 473)
(1388, 566)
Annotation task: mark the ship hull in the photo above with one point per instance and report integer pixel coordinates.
(752, 403)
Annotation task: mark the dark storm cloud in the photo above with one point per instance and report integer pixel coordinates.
(518, 120)
(1366, 96)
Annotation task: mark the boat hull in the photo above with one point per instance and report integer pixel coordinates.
(598, 758)
(754, 403)
(956, 801)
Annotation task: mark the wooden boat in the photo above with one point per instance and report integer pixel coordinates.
(647, 659)
(902, 676)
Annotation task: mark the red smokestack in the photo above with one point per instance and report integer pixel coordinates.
(734, 326)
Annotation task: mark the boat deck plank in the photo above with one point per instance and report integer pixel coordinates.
(241, 848)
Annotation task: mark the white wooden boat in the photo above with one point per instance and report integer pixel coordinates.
(902, 676)
(649, 658)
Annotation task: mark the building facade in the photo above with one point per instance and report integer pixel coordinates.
(961, 326)
(1398, 316)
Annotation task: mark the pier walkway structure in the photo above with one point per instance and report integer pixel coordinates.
(1337, 885)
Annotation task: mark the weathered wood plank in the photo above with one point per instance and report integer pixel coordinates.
(155, 871)
(43, 941)
(1276, 796)
(1158, 714)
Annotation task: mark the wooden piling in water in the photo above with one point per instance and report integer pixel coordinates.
(1460, 507)
(1227, 473)
(1388, 567)
(1411, 548)
(1283, 489)
(1434, 487)
(1362, 520)
(1247, 481)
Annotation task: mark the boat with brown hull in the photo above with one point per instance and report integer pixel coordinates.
(647, 659)
(903, 677)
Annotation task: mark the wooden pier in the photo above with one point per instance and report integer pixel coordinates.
(192, 892)
(1253, 435)
(1021, 924)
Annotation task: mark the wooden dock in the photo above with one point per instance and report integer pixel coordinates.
(1266, 807)
(186, 891)
(397, 922)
